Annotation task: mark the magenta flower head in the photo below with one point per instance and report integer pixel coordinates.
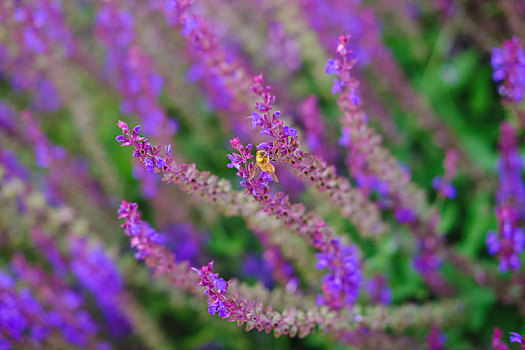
(497, 343)
(508, 63)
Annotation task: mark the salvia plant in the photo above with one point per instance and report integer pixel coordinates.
(307, 174)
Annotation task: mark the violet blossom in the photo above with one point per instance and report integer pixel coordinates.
(517, 338)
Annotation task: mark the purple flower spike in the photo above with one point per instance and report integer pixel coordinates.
(509, 241)
(508, 63)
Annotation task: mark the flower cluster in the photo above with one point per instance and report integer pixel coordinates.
(508, 63)
(511, 192)
(342, 284)
(257, 186)
(354, 125)
(508, 243)
(148, 155)
(216, 289)
(517, 338)
(497, 343)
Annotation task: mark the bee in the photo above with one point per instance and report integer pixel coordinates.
(263, 163)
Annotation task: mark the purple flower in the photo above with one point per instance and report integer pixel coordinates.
(33, 42)
(148, 164)
(256, 119)
(332, 67)
(378, 290)
(265, 177)
(189, 25)
(289, 131)
(517, 338)
(220, 284)
(160, 162)
(235, 161)
(354, 97)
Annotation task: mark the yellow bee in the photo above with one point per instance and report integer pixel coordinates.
(263, 163)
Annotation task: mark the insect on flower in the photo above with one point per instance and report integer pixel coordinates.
(263, 163)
